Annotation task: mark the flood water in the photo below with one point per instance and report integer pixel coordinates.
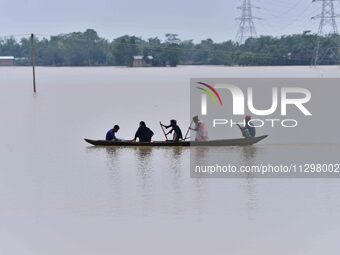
(58, 195)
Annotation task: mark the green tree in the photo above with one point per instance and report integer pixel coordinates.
(124, 48)
(172, 49)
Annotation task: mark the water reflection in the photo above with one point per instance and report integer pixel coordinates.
(143, 155)
(252, 197)
(111, 154)
(200, 196)
(175, 155)
(151, 173)
(176, 165)
(235, 156)
(145, 173)
(248, 154)
(159, 178)
(249, 158)
(115, 177)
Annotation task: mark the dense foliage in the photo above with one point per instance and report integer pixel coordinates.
(88, 49)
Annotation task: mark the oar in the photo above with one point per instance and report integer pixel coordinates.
(186, 135)
(163, 131)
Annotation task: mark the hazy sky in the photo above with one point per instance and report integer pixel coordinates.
(149, 18)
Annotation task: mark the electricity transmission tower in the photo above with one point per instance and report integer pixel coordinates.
(327, 24)
(246, 28)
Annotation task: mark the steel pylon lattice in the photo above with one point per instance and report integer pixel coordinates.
(327, 17)
(327, 21)
(246, 27)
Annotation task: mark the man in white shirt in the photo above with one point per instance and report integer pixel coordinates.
(201, 130)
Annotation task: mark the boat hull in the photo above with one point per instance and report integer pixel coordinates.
(227, 142)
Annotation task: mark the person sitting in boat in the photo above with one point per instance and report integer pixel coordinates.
(200, 129)
(248, 130)
(144, 134)
(111, 134)
(176, 129)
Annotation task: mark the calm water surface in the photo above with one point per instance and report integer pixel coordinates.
(60, 196)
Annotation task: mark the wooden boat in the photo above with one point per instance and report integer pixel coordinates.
(227, 142)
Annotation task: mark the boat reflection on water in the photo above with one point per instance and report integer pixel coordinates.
(159, 178)
(245, 155)
(153, 175)
(249, 158)
(249, 153)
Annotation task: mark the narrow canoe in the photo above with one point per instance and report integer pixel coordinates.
(228, 142)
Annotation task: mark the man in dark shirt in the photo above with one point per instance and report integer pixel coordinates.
(111, 134)
(248, 130)
(144, 134)
(176, 129)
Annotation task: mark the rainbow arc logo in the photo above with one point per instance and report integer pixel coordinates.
(211, 92)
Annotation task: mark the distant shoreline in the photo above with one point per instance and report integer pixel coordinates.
(88, 49)
(179, 66)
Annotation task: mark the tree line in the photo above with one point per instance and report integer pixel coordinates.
(88, 49)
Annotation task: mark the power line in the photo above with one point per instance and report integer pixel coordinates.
(246, 27)
(327, 20)
(327, 17)
(301, 17)
(283, 14)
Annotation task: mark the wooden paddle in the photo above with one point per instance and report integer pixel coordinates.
(166, 137)
(186, 135)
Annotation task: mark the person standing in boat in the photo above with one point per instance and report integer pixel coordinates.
(111, 134)
(176, 129)
(248, 130)
(144, 134)
(200, 129)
